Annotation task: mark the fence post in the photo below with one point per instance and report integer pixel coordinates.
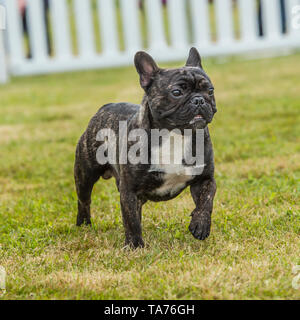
(200, 20)
(224, 21)
(108, 23)
(15, 39)
(155, 26)
(178, 24)
(61, 29)
(84, 27)
(248, 20)
(3, 66)
(131, 26)
(37, 30)
(293, 18)
(271, 18)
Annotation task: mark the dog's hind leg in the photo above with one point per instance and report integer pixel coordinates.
(85, 178)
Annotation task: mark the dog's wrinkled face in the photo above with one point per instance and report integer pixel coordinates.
(178, 98)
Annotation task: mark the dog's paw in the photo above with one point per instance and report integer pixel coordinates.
(200, 226)
(83, 221)
(134, 243)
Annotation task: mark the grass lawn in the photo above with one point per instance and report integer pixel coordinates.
(254, 242)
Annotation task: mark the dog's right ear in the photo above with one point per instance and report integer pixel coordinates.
(146, 68)
(194, 59)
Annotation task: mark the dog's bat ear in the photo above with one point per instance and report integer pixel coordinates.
(146, 68)
(194, 59)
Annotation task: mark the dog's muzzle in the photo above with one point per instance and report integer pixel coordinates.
(203, 112)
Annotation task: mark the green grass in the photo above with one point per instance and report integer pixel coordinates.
(256, 222)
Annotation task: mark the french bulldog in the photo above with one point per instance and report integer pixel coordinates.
(174, 99)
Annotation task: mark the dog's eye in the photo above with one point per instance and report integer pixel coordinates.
(177, 93)
(211, 92)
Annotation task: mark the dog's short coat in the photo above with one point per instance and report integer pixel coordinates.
(174, 99)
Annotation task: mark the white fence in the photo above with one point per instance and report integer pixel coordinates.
(166, 32)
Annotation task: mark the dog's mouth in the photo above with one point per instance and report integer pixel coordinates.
(197, 118)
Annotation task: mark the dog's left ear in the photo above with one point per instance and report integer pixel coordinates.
(194, 59)
(146, 68)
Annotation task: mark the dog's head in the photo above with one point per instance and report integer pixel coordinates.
(178, 98)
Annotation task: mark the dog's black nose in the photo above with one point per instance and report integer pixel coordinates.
(197, 101)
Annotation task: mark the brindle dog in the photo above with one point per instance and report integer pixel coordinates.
(174, 99)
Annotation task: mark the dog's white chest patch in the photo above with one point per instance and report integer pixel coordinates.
(169, 162)
(173, 183)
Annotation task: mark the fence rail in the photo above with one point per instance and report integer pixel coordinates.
(86, 34)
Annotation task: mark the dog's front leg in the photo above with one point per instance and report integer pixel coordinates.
(131, 208)
(203, 194)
